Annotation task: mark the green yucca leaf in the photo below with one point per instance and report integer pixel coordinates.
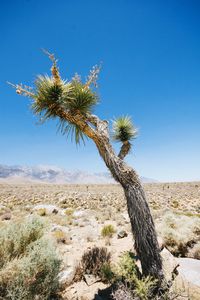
(72, 96)
(80, 98)
(48, 96)
(72, 130)
(123, 129)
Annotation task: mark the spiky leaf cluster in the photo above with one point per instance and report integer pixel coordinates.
(80, 98)
(51, 98)
(123, 129)
(72, 96)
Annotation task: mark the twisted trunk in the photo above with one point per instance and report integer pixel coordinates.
(146, 244)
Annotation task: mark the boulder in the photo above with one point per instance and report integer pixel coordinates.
(66, 276)
(81, 291)
(187, 283)
(169, 263)
(190, 269)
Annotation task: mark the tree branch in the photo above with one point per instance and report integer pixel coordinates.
(125, 149)
(78, 119)
(22, 89)
(100, 125)
(54, 69)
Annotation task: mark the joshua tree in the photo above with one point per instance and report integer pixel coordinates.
(72, 103)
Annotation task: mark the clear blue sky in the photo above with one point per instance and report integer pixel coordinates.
(151, 70)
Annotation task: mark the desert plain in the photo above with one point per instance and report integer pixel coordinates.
(77, 214)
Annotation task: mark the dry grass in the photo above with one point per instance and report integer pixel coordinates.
(179, 232)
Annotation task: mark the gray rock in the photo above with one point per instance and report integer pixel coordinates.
(122, 234)
(65, 277)
(91, 279)
(79, 214)
(190, 269)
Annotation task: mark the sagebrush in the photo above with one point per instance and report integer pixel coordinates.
(29, 264)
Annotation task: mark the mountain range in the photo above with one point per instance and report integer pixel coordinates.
(53, 174)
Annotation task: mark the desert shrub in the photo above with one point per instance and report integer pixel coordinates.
(127, 268)
(60, 236)
(108, 231)
(69, 211)
(195, 251)
(42, 212)
(131, 281)
(16, 237)
(96, 262)
(175, 203)
(107, 274)
(29, 272)
(179, 232)
(144, 288)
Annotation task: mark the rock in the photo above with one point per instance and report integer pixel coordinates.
(91, 279)
(187, 283)
(190, 270)
(79, 214)
(126, 217)
(169, 263)
(81, 291)
(6, 216)
(65, 277)
(122, 234)
(56, 227)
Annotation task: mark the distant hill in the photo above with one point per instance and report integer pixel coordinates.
(53, 174)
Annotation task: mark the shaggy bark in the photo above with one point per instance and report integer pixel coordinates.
(142, 224)
(125, 149)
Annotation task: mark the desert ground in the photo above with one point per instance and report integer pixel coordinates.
(184, 197)
(77, 214)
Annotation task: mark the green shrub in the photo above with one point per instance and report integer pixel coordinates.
(60, 236)
(69, 212)
(132, 283)
(108, 231)
(42, 212)
(127, 268)
(16, 237)
(144, 288)
(106, 273)
(29, 272)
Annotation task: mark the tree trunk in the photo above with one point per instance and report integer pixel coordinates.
(146, 244)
